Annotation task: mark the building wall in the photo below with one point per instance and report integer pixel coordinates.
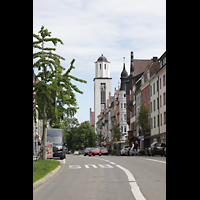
(97, 95)
(162, 98)
(122, 114)
(154, 108)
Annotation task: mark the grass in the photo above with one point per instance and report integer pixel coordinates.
(43, 167)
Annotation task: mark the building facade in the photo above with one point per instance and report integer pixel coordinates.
(102, 86)
(162, 97)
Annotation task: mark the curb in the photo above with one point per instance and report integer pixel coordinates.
(48, 176)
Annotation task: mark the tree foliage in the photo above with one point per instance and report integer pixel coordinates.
(52, 78)
(142, 120)
(78, 135)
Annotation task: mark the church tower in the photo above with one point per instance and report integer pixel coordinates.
(102, 86)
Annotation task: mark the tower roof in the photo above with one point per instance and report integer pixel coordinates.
(102, 58)
(124, 73)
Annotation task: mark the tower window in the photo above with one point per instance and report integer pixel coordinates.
(105, 66)
(100, 66)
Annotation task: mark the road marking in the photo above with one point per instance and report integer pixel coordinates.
(112, 163)
(105, 166)
(87, 166)
(74, 166)
(153, 160)
(134, 187)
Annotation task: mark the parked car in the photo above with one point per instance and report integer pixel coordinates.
(104, 151)
(165, 150)
(76, 152)
(124, 150)
(94, 151)
(86, 151)
(157, 149)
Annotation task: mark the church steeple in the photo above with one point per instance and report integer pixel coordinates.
(124, 76)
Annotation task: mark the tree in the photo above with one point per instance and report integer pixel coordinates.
(52, 79)
(117, 133)
(79, 135)
(142, 120)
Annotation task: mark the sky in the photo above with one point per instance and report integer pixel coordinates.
(114, 28)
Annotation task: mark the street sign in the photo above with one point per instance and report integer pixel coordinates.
(142, 137)
(49, 151)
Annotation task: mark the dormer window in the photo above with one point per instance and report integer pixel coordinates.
(148, 75)
(142, 80)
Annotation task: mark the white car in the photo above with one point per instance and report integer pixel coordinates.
(76, 152)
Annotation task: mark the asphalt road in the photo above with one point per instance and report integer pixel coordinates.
(107, 177)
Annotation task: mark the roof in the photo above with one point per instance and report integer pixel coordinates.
(140, 65)
(102, 58)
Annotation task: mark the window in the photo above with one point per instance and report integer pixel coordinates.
(124, 105)
(105, 66)
(158, 120)
(125, 118)
(151, 90)
(164, 80)
(160, 101)
(148, 92)
(103, 96)
(145, 95)
(157, 85)
(125, 129)
(160, 83)
(164, 99)
(154, 105)
(164, 117)
(121, 105)
(151, 123)
(100, 66)
(157, 103)
(154, 88)
(154, 122)
(122, 129)
(148, 75)
(124, 95)
(151, 107)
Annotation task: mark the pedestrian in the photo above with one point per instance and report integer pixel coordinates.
(135, 147)
(132, 148)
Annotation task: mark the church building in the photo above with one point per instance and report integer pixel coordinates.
(102, 86)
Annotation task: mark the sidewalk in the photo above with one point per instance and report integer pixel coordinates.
(49, 175)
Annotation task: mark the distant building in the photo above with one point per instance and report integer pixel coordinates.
(162, 97)
(122, 104)
(102, 86)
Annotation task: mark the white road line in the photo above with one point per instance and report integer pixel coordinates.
(87, 166)
(134, 187)
(112, 163)
(153, 160)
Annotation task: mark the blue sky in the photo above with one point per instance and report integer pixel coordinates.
(90, 28)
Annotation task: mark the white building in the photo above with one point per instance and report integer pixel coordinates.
(102, 86)
(154, 108)
(122, 104)
(162, 97)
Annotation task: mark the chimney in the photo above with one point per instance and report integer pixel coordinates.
(132, 64)
(155, 59)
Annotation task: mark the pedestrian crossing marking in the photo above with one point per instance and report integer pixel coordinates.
(89, 166)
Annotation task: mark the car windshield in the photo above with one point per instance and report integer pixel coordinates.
(95, 149)
(54, 139)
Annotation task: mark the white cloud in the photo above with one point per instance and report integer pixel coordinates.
(114, 28)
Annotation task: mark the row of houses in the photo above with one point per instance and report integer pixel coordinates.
(145, 83)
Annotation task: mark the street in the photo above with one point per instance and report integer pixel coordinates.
(107, 177)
